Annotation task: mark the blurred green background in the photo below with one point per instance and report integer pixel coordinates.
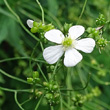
(16, 42)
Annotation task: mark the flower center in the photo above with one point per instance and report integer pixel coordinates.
(67, 42)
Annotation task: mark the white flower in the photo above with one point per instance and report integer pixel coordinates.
(68, 45)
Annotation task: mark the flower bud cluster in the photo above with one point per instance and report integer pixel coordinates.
(52, 95)
(50, 68)
(96, 33)
(35, 79)
(93, 33)
(38, 27)
(95, 92)
(97, 36)
(102, 72)
(102, 42)
(80, 99)
(101, 20)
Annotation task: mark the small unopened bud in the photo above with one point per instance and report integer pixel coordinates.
(56, 95)
(35, 24)
(55, 87)
(38, 93)
(30, 80)
(35, 74)
(34, 29)
(49, 96)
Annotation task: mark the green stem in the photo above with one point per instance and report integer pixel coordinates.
(36, 108)
(34, 89)
(81, 77)
(63, 89)
(68, 107)
(13, 77)
(12, 90)
(19, 20)
(32, 56)
(20, 58)
(15, 96)
(68, 84)
(26, 101)
(54, 71)
(41, 11)
(98, 80)
(61, 100)
(82, 11)
(95, 67)
(42, 73)
(61, 104)
(99, 102)
(51, 107)
(41, 46)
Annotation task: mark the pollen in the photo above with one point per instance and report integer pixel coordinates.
(67, 42)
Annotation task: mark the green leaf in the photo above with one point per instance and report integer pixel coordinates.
(53, 6)
(3, 30)
(14, 36)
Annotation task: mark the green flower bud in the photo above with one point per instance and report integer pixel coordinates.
(30, 80)
(55, 87)
(48, 27)
(45, 84)
(38, 93)
(49, 96)
(34, 29)
(80, 103)
(56, 95)
(35, 24)
(96, 33)
(91, 35)
(35, 74)
(89, 30)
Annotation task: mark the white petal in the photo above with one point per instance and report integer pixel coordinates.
(72, 57)
(76, 31)
(53, 53)
(30, 23)
(86, 45)
(54, 35)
